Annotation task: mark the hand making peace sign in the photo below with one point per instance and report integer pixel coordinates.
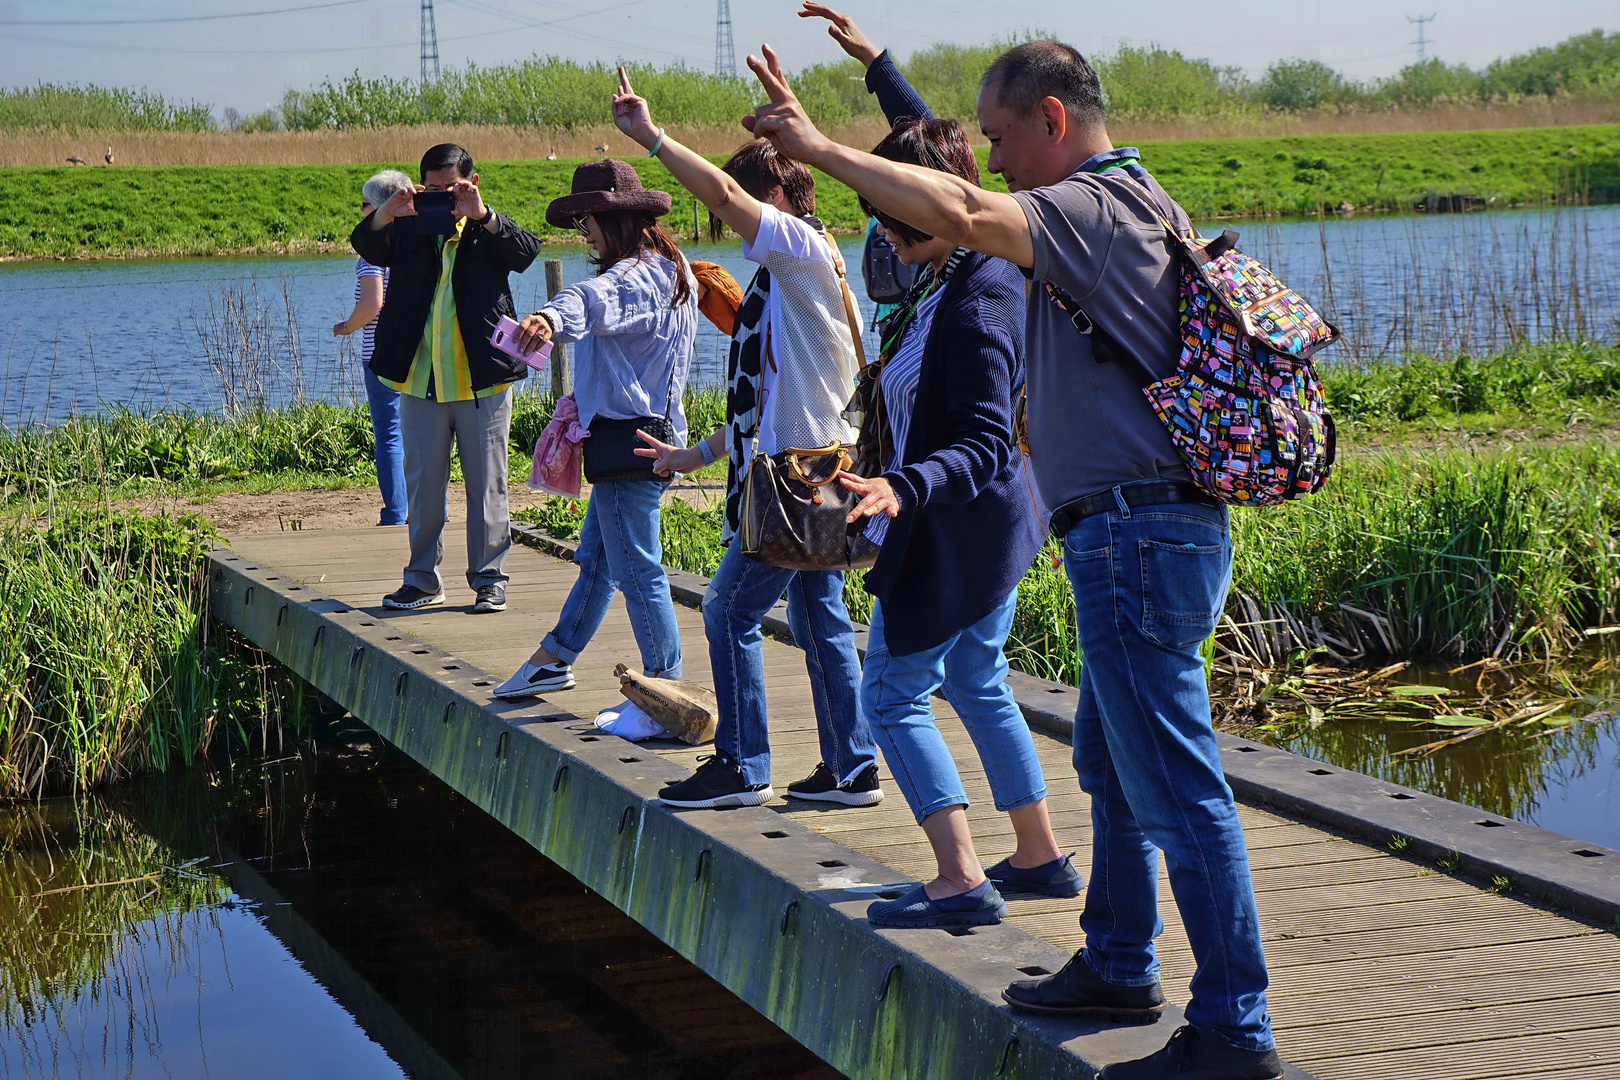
(783, 121)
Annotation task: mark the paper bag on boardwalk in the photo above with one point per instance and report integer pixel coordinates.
(685, 710)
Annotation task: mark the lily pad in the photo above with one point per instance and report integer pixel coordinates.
(1458, 721)
(1418, 690)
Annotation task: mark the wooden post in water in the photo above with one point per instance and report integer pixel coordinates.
(559, 351)
(695, 235)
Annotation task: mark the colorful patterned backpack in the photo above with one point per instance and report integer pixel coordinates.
(1244, 408)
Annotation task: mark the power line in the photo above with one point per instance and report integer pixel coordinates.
(1423, 40)
(181, 18)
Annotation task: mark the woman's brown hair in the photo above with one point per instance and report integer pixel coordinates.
(627, 233)
(940, 145)
(757, 168)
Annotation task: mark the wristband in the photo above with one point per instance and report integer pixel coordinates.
(658, 145)
(705, 451)
(489, 212)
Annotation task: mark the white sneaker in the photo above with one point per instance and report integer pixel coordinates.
(533, 678)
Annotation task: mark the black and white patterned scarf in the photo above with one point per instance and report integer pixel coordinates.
(745, 370)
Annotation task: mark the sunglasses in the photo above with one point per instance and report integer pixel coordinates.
(581, 226)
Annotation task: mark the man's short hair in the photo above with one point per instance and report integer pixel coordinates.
(444, 156)
(1027, 74)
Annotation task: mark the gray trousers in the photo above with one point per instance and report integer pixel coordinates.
(479, 430)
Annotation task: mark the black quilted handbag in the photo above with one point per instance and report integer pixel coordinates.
(793, 512)
(610, 452)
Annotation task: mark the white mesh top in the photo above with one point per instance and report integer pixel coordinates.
(810, 363)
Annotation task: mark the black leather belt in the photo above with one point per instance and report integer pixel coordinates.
(1141, 493)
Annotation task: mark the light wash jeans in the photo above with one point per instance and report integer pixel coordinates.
(740, 593)
(1149, 584)
(390, 455)
(619, 551)
(972, 669)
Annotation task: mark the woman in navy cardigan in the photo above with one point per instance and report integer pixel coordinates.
(958, 528)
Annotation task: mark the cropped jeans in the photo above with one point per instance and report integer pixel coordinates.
(390, 455)
(1149, 584)
(740, 593)
(895, 693)
(619, 551)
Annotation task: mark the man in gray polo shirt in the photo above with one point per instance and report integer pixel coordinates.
(1148, 555)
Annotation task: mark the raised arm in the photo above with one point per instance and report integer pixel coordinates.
(724, 197)
(935, 202)
(895, 96)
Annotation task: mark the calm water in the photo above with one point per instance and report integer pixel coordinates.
(338, 914)
(127, 331)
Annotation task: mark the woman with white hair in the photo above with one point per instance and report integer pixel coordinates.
(370, 286)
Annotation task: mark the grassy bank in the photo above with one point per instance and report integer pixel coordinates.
(66, 212)
(108, 666)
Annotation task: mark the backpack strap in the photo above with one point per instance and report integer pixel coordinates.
(850, 314)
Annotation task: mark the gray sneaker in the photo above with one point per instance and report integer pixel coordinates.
(531, 679)
(491, 598)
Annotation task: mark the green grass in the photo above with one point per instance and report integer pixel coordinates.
(107, 664)
(1454, 554)
(202, 210)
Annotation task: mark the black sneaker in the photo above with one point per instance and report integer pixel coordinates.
(409, 597)
(717, 783)
(1079, 991)
(491, 598)
(1195, 1053)
(823, 786)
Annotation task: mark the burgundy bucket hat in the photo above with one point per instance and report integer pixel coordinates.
(605, 185)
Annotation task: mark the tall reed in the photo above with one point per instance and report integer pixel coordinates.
(108, 665)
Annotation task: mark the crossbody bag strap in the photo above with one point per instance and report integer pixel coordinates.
(851, 316)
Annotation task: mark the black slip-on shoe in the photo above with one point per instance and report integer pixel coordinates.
(491, 598)
(980, 906)
(1079, 991)
(409, 597)
(718, 783)
(1056, 878)
(823, 786)
(1195, 1053)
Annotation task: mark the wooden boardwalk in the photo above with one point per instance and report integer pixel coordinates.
(1382, 969)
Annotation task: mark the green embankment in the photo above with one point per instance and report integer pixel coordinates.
(206, 210)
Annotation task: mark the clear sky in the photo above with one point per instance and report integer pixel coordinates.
(247, 62)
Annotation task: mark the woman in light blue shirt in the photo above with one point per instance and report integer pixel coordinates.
(635, 323)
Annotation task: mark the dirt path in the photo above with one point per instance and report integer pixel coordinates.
(350, 508)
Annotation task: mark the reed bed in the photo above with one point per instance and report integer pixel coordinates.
(1456, 555)
(108, 665)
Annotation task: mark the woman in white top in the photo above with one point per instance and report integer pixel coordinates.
(792, 370)
(370, 287)
(635, 323)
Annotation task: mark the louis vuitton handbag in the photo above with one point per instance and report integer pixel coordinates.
(793, 511)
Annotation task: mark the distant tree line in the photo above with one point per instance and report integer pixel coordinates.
(1146, 82)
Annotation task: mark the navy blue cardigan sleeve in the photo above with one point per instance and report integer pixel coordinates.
(898, 100)
(980, 368)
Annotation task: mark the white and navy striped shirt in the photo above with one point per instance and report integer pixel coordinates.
(899, 385)
(363, 269)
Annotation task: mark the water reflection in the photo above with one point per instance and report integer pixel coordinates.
(349, 917)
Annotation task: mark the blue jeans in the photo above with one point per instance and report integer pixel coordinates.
(740, 593)
(390, 456)
(619, 550)
(970, 666)
(1149, 584)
